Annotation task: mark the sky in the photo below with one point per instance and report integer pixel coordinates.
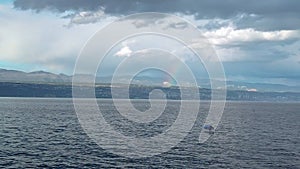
(257, 41)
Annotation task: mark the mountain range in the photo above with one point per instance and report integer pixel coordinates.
(15, 76)
(33, 77)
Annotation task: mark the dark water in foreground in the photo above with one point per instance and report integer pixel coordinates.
(46, 133)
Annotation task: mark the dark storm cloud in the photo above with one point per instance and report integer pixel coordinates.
(281, 10)
(272, 14)
(57, 5)
(209, 8)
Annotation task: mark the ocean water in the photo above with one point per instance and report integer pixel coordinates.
(45, 133)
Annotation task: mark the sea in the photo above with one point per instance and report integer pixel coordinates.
(46, 133)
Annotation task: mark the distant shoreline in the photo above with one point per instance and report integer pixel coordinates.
(107, 99)
(34, 90)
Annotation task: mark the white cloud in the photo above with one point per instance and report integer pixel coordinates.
(125, 51)
(228, 35)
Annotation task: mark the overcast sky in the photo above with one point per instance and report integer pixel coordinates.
(257, 41)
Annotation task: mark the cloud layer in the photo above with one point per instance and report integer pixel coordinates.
(269, 14)
(257, 41)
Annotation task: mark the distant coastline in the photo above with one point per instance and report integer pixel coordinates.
(52, 90)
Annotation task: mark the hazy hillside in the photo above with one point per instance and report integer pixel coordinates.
(47, 77)
(8, 89)
(38, 76)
